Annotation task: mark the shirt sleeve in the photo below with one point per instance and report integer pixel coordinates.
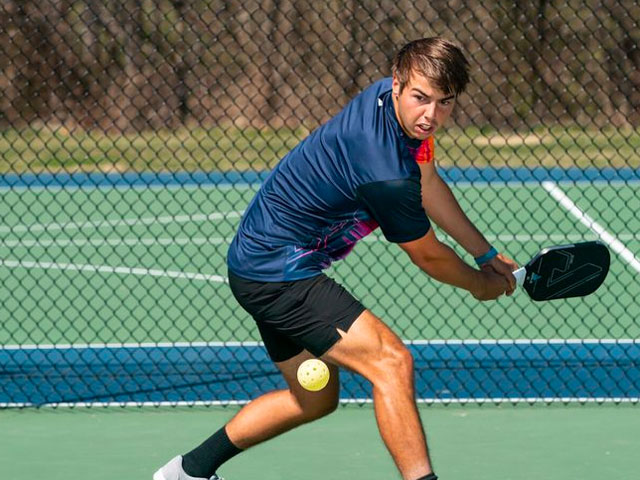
(397, 207)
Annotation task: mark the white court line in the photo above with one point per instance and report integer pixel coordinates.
(590, 223)
(108, 269)
(343, 401)
(169, 186)
(481, 184)
(131, 242)
(114, 242)
(47, 227)
(253, 344)
(133, 345)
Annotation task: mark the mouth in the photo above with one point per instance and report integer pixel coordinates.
(425, 128)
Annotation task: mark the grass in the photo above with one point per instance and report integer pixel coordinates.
(541, 147)
(216, 149)
(55, 149)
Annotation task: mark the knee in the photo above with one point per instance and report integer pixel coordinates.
(327, 407)
(395, 364)
(318, 408)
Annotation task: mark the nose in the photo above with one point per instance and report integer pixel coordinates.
(430, 111)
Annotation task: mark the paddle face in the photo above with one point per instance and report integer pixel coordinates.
(567, 271)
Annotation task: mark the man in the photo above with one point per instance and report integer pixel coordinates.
(371, 165)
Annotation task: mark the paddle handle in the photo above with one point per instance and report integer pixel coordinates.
(520, 275)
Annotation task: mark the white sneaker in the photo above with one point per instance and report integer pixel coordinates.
(173, 471)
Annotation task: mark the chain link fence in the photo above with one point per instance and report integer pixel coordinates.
(133, 133)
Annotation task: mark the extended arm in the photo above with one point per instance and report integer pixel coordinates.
(443, 208)
(442, 263)
(396, 206)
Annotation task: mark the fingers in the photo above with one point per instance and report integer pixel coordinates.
(494, 284)
(504, 266)
(511, 286)
(504, 278)
(499, 271)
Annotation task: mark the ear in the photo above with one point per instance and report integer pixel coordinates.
(395, 86)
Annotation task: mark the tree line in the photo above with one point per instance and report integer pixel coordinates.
(131, 65)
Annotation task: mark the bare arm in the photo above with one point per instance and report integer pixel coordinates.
(443, 208)
(442, 263)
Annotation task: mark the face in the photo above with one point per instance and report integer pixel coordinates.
(421, 108)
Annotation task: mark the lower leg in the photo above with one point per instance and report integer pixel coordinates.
(268, 416)
(263, 418)
(249, 427)
(402, 432)
(373, 350)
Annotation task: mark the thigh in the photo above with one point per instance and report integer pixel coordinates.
(367, 346)
(305, 398)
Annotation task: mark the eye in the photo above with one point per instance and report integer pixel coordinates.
(419, 98)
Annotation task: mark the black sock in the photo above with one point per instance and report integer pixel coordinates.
(431, 476)
(204, 460)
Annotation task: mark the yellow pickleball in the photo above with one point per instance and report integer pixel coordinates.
(313, 374)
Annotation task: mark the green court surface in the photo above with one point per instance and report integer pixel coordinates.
(474, 442)
(129, 265)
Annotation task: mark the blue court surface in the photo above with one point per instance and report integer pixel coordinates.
(449, 371)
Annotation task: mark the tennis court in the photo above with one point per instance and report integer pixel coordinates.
(133, 135)
(511, 443)
(126, 301)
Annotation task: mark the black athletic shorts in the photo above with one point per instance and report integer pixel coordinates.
(298, 315)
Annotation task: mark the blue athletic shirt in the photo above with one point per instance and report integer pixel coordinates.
(356, 172)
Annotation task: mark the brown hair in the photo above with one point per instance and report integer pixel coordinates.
(435, 58)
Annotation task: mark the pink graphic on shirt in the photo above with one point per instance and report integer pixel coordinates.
(339, 240)
(357, 233)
